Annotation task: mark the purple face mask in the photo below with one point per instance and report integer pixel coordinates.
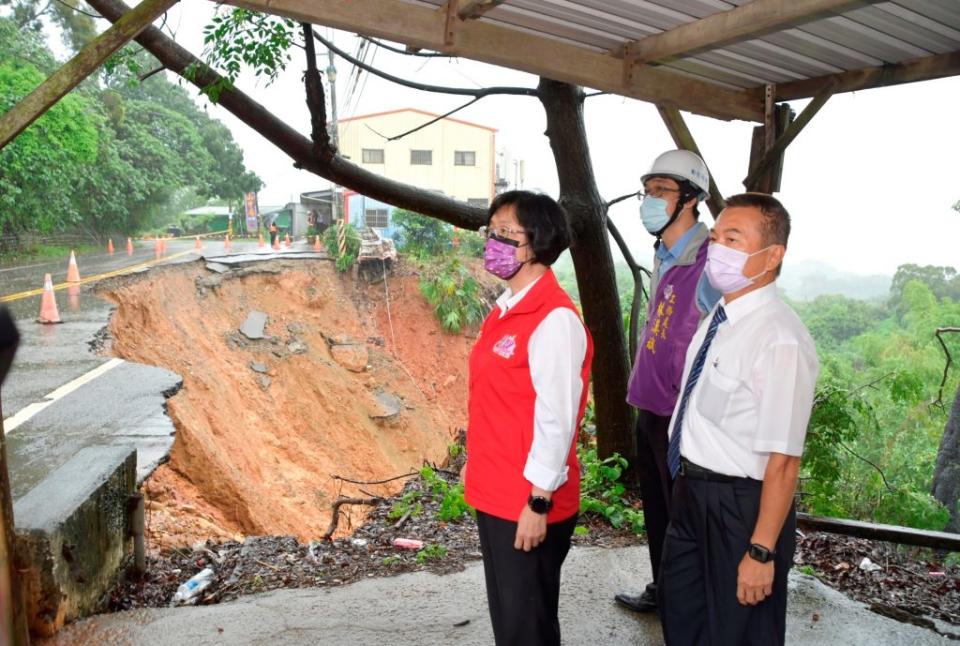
(500, 257)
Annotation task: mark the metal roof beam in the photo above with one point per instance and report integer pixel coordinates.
(724, 27)
(493, 43)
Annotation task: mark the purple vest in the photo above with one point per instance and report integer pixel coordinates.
(672, 319)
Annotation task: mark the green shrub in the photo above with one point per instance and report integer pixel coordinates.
(331, 242)
(431, 552)
(454, 294)
(601, 491)
(421, 236)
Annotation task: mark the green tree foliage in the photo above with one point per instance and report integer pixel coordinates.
(116, 154)
(944, 282)
(421, 236)
(874, 434)
(38, 168)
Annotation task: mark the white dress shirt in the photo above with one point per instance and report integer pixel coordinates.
(755, 393)
(556, 351)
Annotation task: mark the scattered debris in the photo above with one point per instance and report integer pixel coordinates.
(190, 591)
(390, 406)
(297, 347)
(253, 327)
(265, 382)
(258, 367)
(217, 268)
(408, 543)
(869, 566)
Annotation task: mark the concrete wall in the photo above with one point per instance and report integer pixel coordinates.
(444, 138)
(73, 535)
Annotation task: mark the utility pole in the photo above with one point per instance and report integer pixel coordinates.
(334, 130)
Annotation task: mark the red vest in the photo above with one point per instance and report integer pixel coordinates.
(501, 406)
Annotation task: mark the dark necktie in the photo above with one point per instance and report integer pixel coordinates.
(673, 450)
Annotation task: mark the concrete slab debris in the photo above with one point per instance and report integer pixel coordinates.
(253, 327)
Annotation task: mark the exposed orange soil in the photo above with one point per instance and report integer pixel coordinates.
(249, 459)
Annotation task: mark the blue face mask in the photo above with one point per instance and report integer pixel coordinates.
(653, 213)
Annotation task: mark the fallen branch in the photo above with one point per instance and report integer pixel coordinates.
(335, 508)
(376, 482)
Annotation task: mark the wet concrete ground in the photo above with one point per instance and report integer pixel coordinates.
(124, 404)
(422, 608)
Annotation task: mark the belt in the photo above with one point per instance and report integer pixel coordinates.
(690, 470)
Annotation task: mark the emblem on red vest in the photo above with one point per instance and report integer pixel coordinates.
(506, 346)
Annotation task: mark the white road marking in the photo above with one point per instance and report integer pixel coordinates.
(30, 410)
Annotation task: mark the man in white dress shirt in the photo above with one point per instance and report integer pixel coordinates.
(735, 442)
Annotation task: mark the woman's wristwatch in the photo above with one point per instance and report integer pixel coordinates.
(539, 504)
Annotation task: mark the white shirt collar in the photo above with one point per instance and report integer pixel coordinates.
(508, 299)
(749, 302)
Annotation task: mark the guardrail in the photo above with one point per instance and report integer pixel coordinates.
(880, 532)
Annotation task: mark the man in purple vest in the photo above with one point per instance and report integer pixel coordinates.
(680, 296)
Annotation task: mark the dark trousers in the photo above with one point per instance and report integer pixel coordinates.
(655, 481)
(523, 588)
(709, 533)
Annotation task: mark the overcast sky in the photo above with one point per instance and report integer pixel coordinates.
(869, 183)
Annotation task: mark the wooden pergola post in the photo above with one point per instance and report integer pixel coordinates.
(78, 68)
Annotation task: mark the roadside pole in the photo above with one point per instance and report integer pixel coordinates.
(13, 616)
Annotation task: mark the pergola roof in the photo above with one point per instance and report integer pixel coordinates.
(713, 57)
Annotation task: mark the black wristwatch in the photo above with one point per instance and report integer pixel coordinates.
(539, 504)
(759, 553)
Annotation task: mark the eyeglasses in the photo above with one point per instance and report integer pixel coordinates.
(500, 232)
(656, 191)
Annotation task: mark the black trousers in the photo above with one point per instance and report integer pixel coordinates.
(655, 481)
(709, 533)
(523, 588)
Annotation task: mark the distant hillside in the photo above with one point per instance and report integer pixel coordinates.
(808, 279)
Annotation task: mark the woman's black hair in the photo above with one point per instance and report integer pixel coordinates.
(543, 220)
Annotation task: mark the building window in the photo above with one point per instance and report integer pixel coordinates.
(373, 155)
(481, 202)
(421, 157)
(464, 158)
(377, 218)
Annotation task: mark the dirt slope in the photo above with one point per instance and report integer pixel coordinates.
(255, 451)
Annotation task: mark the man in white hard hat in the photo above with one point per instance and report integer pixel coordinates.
(678, 181)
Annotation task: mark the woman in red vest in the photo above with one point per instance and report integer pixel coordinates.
(529, 377)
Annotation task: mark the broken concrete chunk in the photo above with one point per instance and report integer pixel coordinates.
(297, 347)
(258, 367)
(352, 357)
(390, 406)
(296, 328)
(265, 382)
(252, 328)
(216, 267)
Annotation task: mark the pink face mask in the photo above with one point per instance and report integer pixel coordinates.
(724, 268)
(500, 257)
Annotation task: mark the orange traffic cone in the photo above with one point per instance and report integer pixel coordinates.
(73, 272)
(226, 243)
(287, 240)
(163, 246)
(157, 249)
(316, 243)
(129, 247)
(260, 242)
(110, 246)
(276, 244)
(197, 245)
(48, 303)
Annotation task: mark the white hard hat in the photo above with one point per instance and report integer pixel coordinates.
(682, 165)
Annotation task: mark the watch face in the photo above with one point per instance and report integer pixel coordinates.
(539, 504)
(760, 553)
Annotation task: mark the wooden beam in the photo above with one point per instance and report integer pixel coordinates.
(473, 9)
(769, 180)
(878, 532)
(420, 26)
(749, 20)
(683, 138)
(918, 69)
(784, 140)
(450, 28)
(78, 68)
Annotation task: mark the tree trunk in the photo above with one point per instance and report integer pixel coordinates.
(946, 474)
(593, 262)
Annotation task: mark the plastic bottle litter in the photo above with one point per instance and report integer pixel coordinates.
(197, 584)
(869, 566)
(408, 543)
